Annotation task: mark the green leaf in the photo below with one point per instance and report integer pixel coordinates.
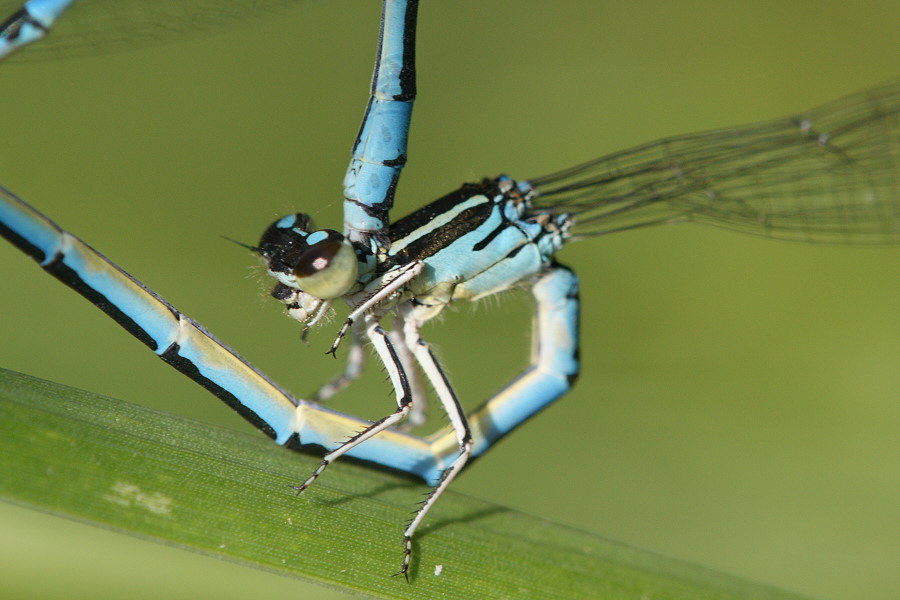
(228, 495)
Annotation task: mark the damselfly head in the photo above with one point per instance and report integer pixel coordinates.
(319, 263)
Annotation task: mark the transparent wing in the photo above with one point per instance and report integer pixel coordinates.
(830, 175)
(90, 26)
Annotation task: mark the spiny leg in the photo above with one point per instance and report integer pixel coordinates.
(356, 358)
(392, 283)
(395, 370)
(413, 376)
(553, 370)
(458, 421)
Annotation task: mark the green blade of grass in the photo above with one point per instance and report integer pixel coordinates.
(227, 494)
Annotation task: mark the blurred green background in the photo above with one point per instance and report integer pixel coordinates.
(738, 406)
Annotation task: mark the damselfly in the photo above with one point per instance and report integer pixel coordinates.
(320, 219)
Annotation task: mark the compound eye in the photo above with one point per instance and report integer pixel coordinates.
(328, 268)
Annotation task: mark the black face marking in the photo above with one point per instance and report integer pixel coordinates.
(282, 246)
(282, 292)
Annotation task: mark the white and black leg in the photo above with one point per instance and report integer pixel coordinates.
(356, 358)
(458, 421)
(397, 374)
(413, 375)
(390, 283)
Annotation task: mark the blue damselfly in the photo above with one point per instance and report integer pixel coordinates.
(453, 177)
